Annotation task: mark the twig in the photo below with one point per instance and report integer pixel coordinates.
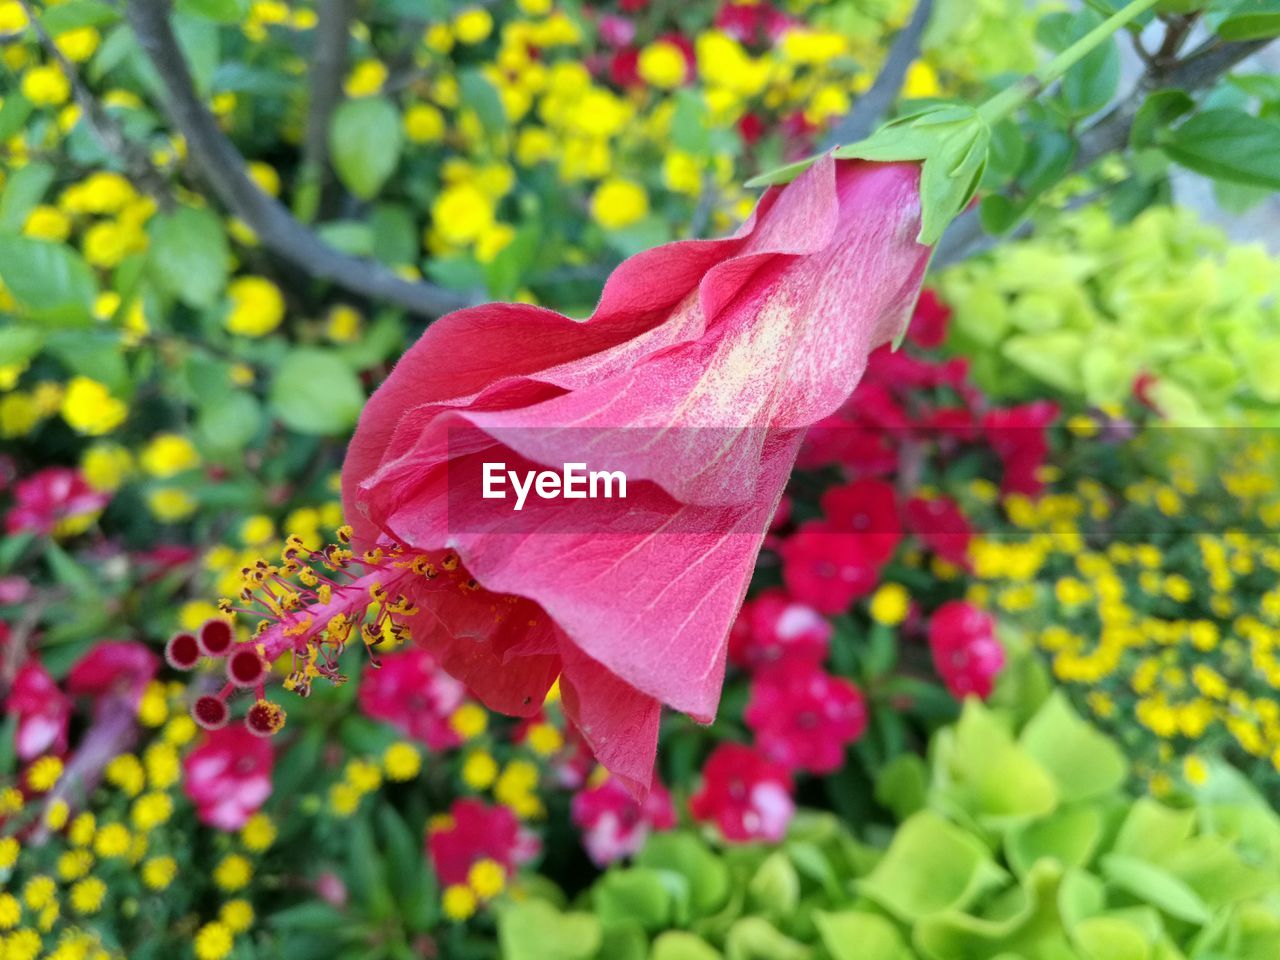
(966, 237)
(858, 123)
(328, 64)
(137, 165)
(224, 169)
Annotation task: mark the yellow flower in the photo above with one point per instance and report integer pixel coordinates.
(402, 761)
(363, 776)
(258, 833)
(87, 895)
(168, 454)
(889, 604)
(10, 911)
(461, 213)
(105, 466)
(39, 891)
(257, 530)
(237, 915)
(78, 45)
(74, 864)
(618, 203)
(46, 86)
(47, 223)
(472, 26)
(423, 123)
(479, 770)
(213, 941)
(13, 18)
(89, 408)
(544, 739)
(921, 82)
(233, 872)
(55, 815)
(158, 872)
(9, 850)
(366, 78)
(169, 504)
(344, 799)
(22, 945)
(257, 307)
(150, 810)
(44, 773)
(458, 902)
(662, 65)
(1195, 770)
(112, 840)
(534, 8)
(486, 878)
(469, 721)
(344, 324)
(80, 833)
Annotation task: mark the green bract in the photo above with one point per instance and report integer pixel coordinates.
(1030, 847)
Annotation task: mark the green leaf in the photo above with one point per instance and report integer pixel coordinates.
(19, 344)
(51, 280)
(227, 427)
(482, 96)
(314, 392)
(13, 114)
(1070, 836)
(1111, 938)
(690, 126)
(21, 194)
(1156, 113)
(409, 876)
(678, 945)
(1152, 832)
(75, 14)
(190, 255)
(688, 857)
(636, 894)
(1251, 20)
(535, 930)
(1085, 762)
(365, 139)
(1091, 83)
(902, 785)
(854, 935)
(1155, 886)
(932, 865)
(219, 11)
(1228, 145)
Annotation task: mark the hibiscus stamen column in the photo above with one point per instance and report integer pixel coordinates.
(309, 605)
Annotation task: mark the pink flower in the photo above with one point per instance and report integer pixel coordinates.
(929, 323)
(939, 522)
(1019, 437)
(829, 568)
(697, 376)
(616, 31)
(54, 500)
(803, 717)
(965, 650)
(615, 824)
(869, 510)
(746, 795)
(114, 669)
(773, 629)
(411, 692)
(228, 777)
(474, 832)
(752, 23)
(42, 711)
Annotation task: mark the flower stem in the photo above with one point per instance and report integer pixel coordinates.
(1030, 86)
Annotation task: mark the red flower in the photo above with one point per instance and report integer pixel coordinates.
(228, 777)
(773, 629)
(752, 23)
(868, 509)
(615, 824)
(696, 377)
(114, 670)
(746, 795)
(411, 692)
(1019, 436)
(478, 832)
(828, 568)
(56, 499)
(929, 323)
(965, 650)
(42, 711)
(803, 717)
(939, 522)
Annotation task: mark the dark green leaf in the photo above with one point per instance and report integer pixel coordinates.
(1251, 20)
(75, 14)
(219, 11)
(1156, 113)
(1229, 145)
(51, 280)
(21, 194)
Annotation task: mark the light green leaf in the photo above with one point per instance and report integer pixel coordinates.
(190, 255)
(855, 935)
(51, 280)
(637, 894)
(1155, 886)
(365, 139)
(1084, 762)
(21, 194)
(314, 392)
(535, 930)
